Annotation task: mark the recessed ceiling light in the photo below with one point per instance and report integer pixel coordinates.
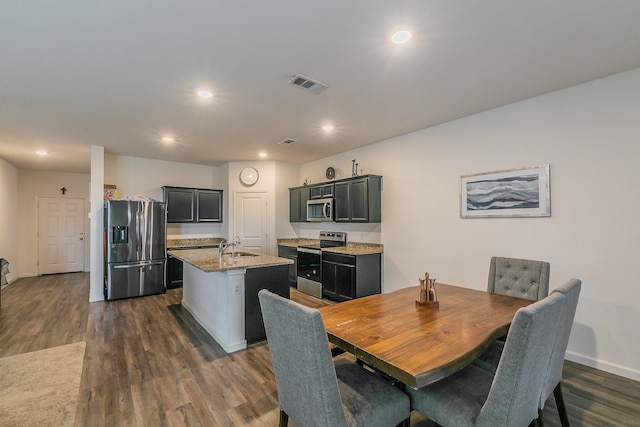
(400, 37)
(262, 154)
(41, 153)
(327, 128)
(202, 93)
(167, 139)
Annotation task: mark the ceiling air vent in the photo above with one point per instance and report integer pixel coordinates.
(307, 83)
(287, 142)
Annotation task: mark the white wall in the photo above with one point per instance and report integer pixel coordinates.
(136, 176)
(96, 194)
(31, 185)
(9, 218)
(589, 136)
(287, 176)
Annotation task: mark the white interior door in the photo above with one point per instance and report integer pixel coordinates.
(60, 235)
(250, 221)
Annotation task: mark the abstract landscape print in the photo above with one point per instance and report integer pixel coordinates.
(522, 192)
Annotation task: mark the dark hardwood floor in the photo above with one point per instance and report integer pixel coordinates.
(148, 363)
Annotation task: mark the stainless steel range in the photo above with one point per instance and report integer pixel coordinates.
(310, 261)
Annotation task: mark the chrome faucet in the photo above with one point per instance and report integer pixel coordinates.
(223, 247)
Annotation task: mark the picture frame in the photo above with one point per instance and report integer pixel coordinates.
(110, 192)
(510, 193)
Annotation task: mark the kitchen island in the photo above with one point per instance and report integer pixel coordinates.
(222, 293)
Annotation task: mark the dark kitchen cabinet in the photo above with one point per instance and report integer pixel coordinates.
(174, 272)
(193, 204)
(298, 198)
(290, 253)
(209, 205)
(321, 191)
(356, 199)
(180, 204)
(359, 199)
(274, 279)
(345, 277)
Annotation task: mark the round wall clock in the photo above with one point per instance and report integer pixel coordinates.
(249, 176)
(331, 173)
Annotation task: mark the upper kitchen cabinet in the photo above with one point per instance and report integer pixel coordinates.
(193, 204)
(209, 204)
(322, 191)
(298, 204)
(358, 199)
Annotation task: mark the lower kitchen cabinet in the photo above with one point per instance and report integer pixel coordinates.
(274, 279)
(290, 253)
(345, 277)
(174, 272)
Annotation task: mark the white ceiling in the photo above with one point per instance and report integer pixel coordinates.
(122, 73)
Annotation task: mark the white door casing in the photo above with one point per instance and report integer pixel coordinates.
(60, 235)
(250, 221)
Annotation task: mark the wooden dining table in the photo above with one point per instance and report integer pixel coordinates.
(418, 345)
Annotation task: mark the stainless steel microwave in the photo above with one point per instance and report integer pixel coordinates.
(319, 210)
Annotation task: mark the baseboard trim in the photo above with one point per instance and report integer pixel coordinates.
(229, 347)
(612, 368)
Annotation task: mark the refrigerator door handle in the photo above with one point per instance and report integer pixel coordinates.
(138, 265)
(118, 267)
(154, 263)
(139, 232)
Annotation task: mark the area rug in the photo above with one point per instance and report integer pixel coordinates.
(41, 388)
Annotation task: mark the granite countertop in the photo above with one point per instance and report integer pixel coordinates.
(352, 248)
(295, 242)
(355, 248)
(194, 242)
(208, 260)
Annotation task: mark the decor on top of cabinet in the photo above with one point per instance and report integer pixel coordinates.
(428, 296)
(330, 173)
(110, 192)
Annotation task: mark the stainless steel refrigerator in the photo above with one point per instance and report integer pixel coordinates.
(135, 236)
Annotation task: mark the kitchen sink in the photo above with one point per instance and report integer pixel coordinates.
(244, 254)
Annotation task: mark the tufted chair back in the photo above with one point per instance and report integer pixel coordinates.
(520, 278)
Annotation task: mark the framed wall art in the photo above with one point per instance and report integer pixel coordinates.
(508, 193)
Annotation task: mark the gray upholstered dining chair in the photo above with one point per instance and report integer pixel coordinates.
(553, 378)
(514, 277)
(475, 397)
(314, 391)
(520, 278)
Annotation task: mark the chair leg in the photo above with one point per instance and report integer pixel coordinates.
(562, 409)
(538, 421)
(284, 419)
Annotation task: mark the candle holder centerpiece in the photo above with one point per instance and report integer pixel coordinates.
(428, 296)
